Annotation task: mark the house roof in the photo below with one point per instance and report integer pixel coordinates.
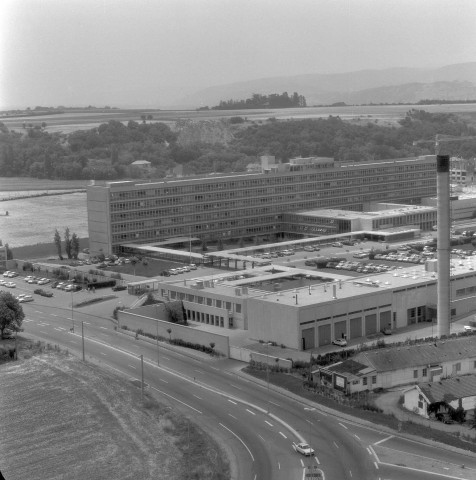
(419, 355)
(349, 368)
(450, 389)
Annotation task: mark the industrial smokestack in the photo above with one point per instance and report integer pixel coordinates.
(443, 237)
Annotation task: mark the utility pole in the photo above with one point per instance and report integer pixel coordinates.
(142, 377)
(82, 337)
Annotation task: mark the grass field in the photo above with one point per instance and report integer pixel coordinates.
(63, 419)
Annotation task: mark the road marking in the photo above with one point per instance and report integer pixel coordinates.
(368, 450)
(196, 396)
(343, 426)
(376, 465)
(25, 321)
(41, 331)
(317, 460)
(234, 386)
(249, 411)
(43, 324)
(53, 315)
(176, 399)
(163, 381)
(384, 440)
(104, 328)
(199, 371)
(244, 444)
(59, 329)
(166, 358)
(237, 419)
(270, 424)
(279, 466)
(337, 446)
(231, 401)
(350, 472)
(102, 353)
(132, 366)
(72, 341)
(86, 323)
(215, 368)
(282, 434)
(302, 463)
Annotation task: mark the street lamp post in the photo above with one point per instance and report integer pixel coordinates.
(267, 371)
(72, 317)
(310, 409)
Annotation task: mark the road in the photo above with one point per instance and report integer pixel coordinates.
(213, 393)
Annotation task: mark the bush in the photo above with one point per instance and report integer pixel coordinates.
(117, 288)
(102, 284)
(43, 293)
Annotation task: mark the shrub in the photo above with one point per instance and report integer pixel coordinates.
(117, 288)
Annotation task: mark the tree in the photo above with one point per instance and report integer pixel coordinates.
(57, 240)
(11, 313)
(67, 242)
(74, 246)
(134, 262)
(169, 331)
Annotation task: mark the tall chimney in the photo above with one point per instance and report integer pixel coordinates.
(443, 237)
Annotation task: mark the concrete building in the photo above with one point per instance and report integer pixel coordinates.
(247, 205)
(305, 309)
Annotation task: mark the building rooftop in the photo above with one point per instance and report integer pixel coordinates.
(450, 389)
(419, 355)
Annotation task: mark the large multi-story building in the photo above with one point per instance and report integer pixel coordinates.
(247, 205)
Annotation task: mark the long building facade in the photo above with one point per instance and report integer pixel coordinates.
(247, 205)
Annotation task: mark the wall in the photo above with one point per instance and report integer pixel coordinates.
(411, 402)
(100, 239)
(147, 319)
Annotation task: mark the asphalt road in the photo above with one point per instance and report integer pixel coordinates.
(256, 422)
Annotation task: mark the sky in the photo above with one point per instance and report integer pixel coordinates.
(151, 53)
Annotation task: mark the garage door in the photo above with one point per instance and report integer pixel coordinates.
(340, 329)
(324, 335)
(308, 338)
(355, 327)
(385, 320)
(370, 324)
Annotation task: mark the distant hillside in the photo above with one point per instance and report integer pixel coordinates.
(395, 85)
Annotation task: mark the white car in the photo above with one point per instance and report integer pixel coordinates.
(44, 281)
(5, 274)
(303, 448)
(192, 266)
(10, 285)
(25, 298)
(341, 342)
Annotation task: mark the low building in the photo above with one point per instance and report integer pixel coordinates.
(432, 399)
(402, 365)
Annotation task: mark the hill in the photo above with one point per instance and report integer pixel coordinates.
(394, 85)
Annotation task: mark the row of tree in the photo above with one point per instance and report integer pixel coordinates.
(256, 101)
(71, 244)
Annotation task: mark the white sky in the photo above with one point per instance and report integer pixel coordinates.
(153, 52)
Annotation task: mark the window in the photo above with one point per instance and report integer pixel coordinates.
(474, 364)
(420, 405)
(218, 303)
(425, 372)
(458, 367)
(415, 373)
(374, 379)
(364, 381)
(238, 308)
(210, 301)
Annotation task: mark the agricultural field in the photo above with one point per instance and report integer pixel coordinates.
(63, 419)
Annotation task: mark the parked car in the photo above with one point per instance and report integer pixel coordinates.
(192, 266)
(337, 244)
(386, 331)
(341, 342)
(25, 298)
(44, 281)
(12, 274)
(10, 285)
(303, 448)
(164, 273)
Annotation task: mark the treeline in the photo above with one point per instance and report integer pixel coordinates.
(273, 100)
(107, 152)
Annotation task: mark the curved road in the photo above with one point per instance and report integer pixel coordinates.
(211, 392)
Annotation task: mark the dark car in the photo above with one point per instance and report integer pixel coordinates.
(165, 273)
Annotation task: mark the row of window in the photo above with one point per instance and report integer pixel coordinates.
(211, 302)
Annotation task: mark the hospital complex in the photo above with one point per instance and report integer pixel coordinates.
(307, 201)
